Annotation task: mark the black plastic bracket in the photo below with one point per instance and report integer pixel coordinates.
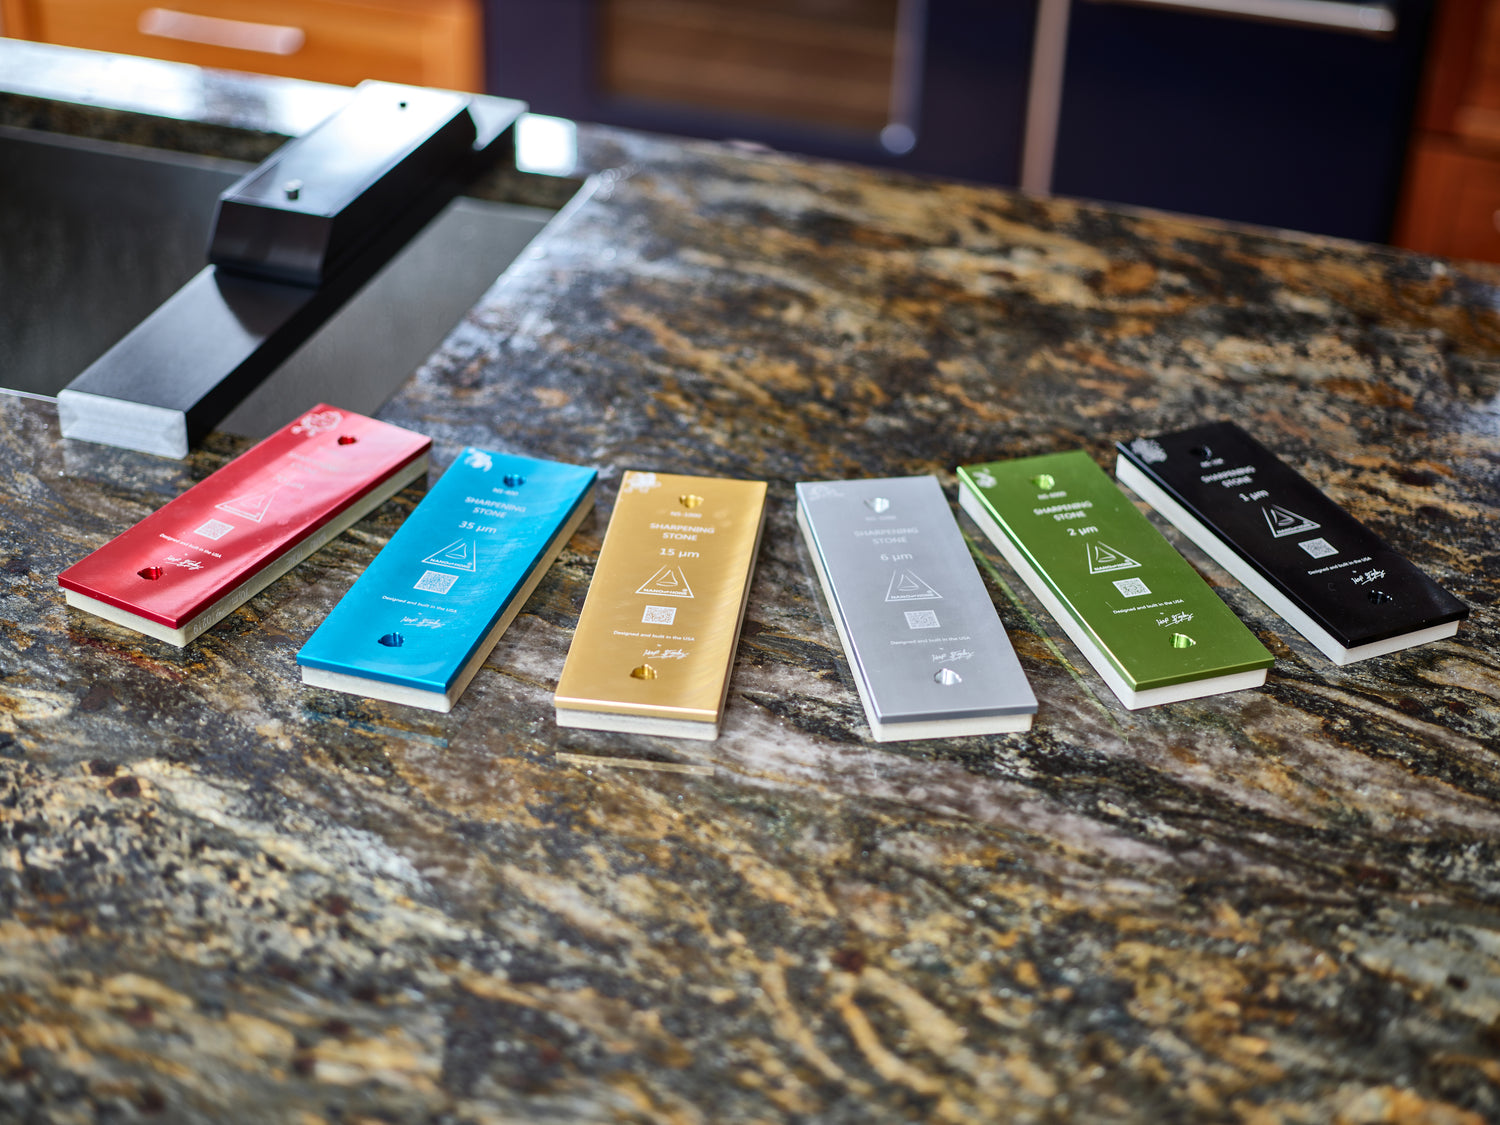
(292, 241)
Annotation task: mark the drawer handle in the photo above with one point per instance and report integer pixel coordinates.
(264, 38)
(1378, 20)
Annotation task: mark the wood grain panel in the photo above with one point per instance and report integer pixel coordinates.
(424, 42)
(1452, 202)
(829, 63)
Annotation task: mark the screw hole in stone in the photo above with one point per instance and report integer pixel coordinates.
(514, 480)
(643, 672)
(1182, 640)
(1044, 481)
(393, 640)
(150, 573)
(348, 439)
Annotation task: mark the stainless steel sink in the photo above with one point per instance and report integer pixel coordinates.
(94, 236)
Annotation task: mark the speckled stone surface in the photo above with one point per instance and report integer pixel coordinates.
(224, 896)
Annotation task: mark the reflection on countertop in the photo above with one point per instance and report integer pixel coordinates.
(228, 896)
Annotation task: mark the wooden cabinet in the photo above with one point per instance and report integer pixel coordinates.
(1300, 124)
(423, 42)
(934, 86)
(1451, 201)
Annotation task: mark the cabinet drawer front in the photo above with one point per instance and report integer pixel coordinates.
(436, 44)
(1452, 202)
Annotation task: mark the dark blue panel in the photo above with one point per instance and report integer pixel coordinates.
(542, 51)
(973, 110)
(1250, 121)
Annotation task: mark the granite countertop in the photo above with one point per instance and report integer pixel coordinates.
(227, 896)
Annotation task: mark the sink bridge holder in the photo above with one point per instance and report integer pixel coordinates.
(292, 241)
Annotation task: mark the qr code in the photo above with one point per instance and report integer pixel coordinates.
(659, 615)
(1318, 548)
(433, 582)
(215, 529)
(921, 619)
(1132, 587)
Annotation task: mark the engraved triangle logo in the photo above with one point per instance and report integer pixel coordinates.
(668, 582)
(1104, 558)
(461, 554)
(906, 586)
(1284, 521)
(252, 505)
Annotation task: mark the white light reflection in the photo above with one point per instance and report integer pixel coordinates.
(167, 89)
(898, 139)
(547, 146)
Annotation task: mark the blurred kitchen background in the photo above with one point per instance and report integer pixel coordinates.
(1373, 120)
